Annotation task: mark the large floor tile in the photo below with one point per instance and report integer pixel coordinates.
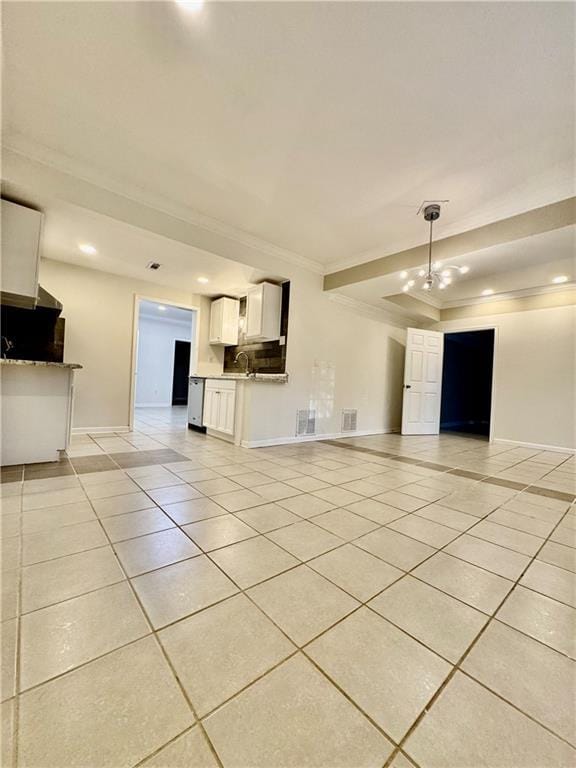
(110, 713)
(547, 620)
(427, 531)
(551, 581)
(8, 635)
(252, 561)
(402, 500)
(120, 505)
(193, 510)
(294, 718)
(52, 498)
(174, 493)
(55, 580)
(214, 487)
(61, 637)
(235, 501)
(277, 491)
(41, 520)
(469, 726)
(520, 522)
(191, 750)
(179, 590)
(218, 532)
(533, 677)
(558, 554)
(10, 594)
(305, 540)
(345, 524)
(388, 674)
(267, 517)
(146, 553)
(306, 505)
(439, 621)
(132, 524)
(504, 562)
(302, 603)
(395, 548)
(339, 497)
(519, 541)
(107, 490)
(451, 518)
(357, 572)
(376, 511)
(467, 582)
(219, 651)
(59, 542)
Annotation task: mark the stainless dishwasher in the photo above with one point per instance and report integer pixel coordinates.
(196, 403)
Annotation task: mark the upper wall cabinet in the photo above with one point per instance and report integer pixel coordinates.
(21, 229)
(263, 305)
(224, 314)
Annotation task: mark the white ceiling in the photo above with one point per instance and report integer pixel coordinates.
(126, 250)
(318, 127)
(522, 265)
(165, 312)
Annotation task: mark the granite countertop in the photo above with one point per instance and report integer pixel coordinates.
(39, 363)
(279, 378)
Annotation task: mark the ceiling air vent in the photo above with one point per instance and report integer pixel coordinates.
(305, 422)
(153, 265)
(349, 419)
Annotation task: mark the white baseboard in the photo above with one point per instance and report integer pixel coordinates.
(537, 446)
(98, 430)
(311, 438)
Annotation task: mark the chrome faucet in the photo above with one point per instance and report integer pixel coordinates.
(247, 359)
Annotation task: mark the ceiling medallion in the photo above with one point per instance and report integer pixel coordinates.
(436, 276)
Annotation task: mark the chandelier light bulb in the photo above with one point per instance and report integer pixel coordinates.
(406, 288)
(421, 273)
(403, 274)
(463, 270)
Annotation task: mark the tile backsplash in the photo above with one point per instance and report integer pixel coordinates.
(264, 356)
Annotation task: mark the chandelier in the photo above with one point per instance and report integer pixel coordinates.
(436, 276)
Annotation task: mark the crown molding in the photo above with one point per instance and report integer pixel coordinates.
(39, 153)
(506, 295)
(394, 316)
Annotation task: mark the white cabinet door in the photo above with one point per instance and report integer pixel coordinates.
(21, 229)
(263, 309)
(226, 412)
(224, 316)
(211, 408)
(422, 382)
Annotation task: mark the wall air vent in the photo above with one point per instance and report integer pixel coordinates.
(349, 419)
(305, 422)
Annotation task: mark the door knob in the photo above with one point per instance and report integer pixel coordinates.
(408, 386)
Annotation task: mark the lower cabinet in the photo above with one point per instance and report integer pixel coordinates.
(219, 405)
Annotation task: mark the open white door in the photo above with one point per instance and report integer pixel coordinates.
(422, 382)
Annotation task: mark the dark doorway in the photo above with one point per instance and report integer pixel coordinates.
(181, 373)
(467, 382)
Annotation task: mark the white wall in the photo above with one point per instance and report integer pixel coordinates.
(338, 357)
(534, 397)
(155, 366)
(99, 312)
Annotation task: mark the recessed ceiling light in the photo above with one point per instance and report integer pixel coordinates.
(88, 249)
(190, 6)
(560, 279)
(487, 292)
(203, 280)
(463, 270)
(161, 308)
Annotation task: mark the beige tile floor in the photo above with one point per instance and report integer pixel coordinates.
(383, 601)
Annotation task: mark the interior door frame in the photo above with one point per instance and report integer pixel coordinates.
(469, 329)
(138, 298)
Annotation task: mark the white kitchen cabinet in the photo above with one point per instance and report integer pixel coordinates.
(21, 229)
(224, 315)
(219, 405)
(263, 305)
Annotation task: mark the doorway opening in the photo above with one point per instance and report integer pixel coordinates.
(467, 382)
(165, 352)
